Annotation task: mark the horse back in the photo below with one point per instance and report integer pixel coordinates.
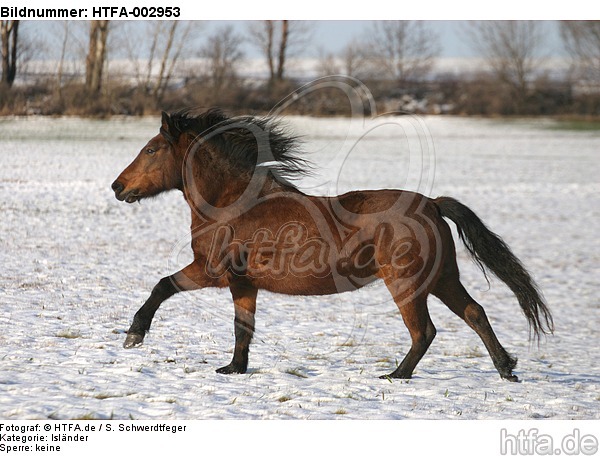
(294, 243)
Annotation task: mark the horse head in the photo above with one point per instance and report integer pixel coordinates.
(157, 167)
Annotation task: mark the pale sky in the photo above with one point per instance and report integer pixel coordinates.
(332, 36)
(328, 36)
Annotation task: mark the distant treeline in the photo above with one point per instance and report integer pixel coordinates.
(396, 60)
(480, 96)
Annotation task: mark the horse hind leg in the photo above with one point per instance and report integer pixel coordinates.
(244, 300)
(422, 332)
(452, 293)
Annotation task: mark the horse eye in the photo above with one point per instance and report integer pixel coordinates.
(150, 151)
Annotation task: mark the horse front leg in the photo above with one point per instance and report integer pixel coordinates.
(244, 300)
(189, 278)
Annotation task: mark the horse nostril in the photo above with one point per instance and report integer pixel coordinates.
(117, 187)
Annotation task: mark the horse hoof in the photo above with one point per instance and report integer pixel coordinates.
(512, 378)
(133, 340)
(393, 375)
(231, 369)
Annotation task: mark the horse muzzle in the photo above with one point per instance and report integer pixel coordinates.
(130, 196)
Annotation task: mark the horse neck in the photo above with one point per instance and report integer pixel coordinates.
(221, 188)
(212, 182)
(215, 182)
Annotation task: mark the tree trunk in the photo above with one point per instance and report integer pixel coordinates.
(9, 35)
(155, 37)
(282, 49)
(90, 60)
(96, 56)
(173, 49)
(61, 63)
(269, 49)
(160, 82)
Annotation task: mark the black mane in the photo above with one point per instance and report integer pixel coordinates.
(244, 142)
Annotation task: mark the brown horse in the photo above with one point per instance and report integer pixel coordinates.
(253, 229)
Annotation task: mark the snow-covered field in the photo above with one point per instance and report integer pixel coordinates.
(75, 265)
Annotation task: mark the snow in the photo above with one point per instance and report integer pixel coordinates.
(77, 264)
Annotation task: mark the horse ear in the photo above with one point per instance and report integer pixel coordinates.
(167, 127)
(165, 121)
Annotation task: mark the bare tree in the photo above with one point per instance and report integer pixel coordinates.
(222, 51)
(96, 56)
(261, 34)
(582, 41)
(156, 54)
(66, 43)
(61, 61)
(401, 50)
(167, 64)
(140, 42)
(73, 38)
(9, 33)
(327, 64)
(354, 61)
(511, 49)
(283, 48)
(278, 41)
(351, 61)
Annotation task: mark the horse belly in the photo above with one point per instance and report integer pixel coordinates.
(308, 286)
(319, 271)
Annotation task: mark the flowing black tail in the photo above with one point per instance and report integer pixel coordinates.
(489, 250)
